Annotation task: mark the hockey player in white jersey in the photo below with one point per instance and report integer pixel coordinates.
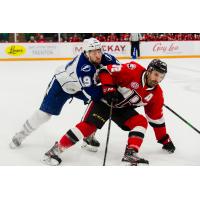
(76, 79)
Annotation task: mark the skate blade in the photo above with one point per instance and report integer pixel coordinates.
(143, 162)
(12, 145)
(138, 163)
(49, 161)
(167, 151)
(134, 164)
(125, 163)
(89, 147)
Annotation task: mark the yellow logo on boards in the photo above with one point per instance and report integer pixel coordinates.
(15, 50)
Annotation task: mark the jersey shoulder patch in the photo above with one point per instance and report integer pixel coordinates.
(86, 68)
(131, 66)
(108, 56)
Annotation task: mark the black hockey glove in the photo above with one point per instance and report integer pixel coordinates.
(169, 146)
(113, 97)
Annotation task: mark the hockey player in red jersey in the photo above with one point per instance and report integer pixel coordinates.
(128, 86)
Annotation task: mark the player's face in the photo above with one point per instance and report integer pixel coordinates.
(154, 78)
(95, 56)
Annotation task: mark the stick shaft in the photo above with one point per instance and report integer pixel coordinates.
(182, 119)
(108, 135)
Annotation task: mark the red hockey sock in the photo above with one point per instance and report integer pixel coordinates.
(138, 125)
(73, 135)
(65, 142)
(135, 143)
(160, 132)
(86, 128)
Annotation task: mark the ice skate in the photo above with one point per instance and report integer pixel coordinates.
(91, 144)
(51, 157)
(17, 139)
(130, 158)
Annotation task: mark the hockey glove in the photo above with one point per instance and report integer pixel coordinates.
(169, 147)
(111, 95)
(167, 144)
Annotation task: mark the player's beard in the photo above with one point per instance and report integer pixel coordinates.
(96, 62)
(152, 83)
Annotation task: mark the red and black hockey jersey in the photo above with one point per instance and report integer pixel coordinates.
(130, 79)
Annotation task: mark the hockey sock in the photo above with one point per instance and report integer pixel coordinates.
(86, 129)
(38, 118)
(137, 125)
(66, 141)
(160, 132)
(83, 129)
(135, 140)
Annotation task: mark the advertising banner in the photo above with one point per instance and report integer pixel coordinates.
(170, 49)
(59, 51)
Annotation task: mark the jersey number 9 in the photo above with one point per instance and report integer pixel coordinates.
(85, 81)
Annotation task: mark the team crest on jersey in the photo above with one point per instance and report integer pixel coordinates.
(131, 66)
(108, 57)
(86, 68)
(135, 85)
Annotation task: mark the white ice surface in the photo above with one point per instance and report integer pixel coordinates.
(22, 86)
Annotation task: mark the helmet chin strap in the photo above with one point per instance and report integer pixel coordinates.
(146, 77)
(87, 54)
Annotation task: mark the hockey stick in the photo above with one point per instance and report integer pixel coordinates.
(108, 134)
(182, 118)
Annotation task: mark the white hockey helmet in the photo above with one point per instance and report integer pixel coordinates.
(91, 44)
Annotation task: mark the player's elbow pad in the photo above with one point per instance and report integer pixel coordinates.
(105, 78)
